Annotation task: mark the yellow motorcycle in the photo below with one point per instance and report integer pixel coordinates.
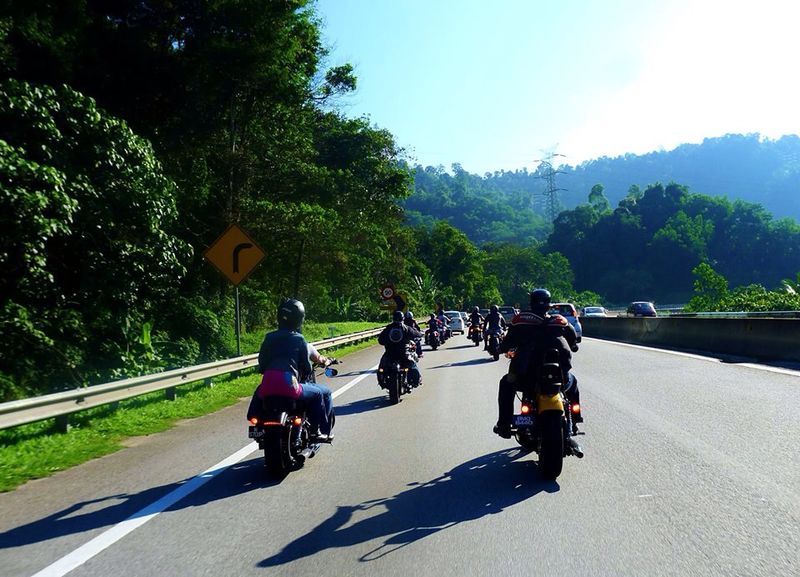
(544, 423)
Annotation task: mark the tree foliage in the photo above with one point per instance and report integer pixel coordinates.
(87, 244)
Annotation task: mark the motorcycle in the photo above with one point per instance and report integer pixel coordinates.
(283, 431)
(433, 338)
(493, 345)
(545, 421)
(393, 376)
(475, 334)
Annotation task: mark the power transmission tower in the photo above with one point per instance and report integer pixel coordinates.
(548, 174)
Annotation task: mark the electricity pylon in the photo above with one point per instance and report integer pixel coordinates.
(548, 173)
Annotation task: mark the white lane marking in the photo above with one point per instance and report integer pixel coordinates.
(88, 550)
(791, 372)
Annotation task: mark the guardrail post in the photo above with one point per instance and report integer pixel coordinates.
(62, 424)
(209, 382)
(171, 393)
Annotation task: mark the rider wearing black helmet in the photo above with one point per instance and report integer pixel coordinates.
(532, 331)
(494, 323)
(284, 360)
(395, 338)
(409, 321)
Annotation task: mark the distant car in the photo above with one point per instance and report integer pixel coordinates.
(464, 316)
(508, 313)
(483, 312)
(594, 312)
(456, 324)
(641, 309)
(567, 310)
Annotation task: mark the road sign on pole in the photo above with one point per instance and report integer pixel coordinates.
(234, 254)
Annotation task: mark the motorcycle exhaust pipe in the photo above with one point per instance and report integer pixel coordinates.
(575, 448)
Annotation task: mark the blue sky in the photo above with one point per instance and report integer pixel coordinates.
(498, 84)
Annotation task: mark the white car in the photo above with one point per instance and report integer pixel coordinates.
(456, 324)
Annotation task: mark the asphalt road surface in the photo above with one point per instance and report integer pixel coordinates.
(691, 468)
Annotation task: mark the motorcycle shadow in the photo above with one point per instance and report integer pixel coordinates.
(469, 346)
(484, 486)
(362, 406)
(467, 363)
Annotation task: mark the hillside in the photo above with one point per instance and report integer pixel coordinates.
(737, 167)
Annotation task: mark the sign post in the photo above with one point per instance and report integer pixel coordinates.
(235, 255)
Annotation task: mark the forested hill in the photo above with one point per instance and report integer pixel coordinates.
(497, 206)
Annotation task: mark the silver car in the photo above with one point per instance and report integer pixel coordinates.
(456, 324)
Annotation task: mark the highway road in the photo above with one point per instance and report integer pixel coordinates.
(691, 468)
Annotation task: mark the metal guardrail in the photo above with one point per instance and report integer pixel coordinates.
(61, 405)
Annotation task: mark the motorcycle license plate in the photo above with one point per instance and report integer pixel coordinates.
(255, 432)
(523, 420)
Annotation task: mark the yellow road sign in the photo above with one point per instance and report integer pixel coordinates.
(235, 254)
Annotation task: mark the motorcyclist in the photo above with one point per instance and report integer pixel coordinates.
(434, 325)
(409, 321)
(395, 338)
(494, 323)
(284, 360)
(475, 319)
(444, 323)
(530, 331)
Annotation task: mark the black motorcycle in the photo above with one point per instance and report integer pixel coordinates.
(544, 423)
(283, 431)
(433, 338)
(493, 345)
(393, 376)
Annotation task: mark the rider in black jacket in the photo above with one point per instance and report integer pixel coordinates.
(531, 332)
(493, 323)
(395, 338)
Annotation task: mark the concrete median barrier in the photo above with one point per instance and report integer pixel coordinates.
(761, 338)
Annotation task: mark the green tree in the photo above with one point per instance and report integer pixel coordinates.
(87, 245)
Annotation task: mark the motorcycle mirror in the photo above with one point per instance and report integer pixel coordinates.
(329, 372)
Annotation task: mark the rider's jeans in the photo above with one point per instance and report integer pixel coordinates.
(319, 403)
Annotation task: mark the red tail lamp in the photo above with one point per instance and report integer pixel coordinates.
(576, 408)
(525, 409)
(297, 421)
(254, 421)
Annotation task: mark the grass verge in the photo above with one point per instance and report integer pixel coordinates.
(34, 451)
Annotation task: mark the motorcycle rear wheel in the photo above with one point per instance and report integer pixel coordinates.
(551, 451)
(394, 389)
(277, 457)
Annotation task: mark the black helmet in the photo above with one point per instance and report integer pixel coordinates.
(291, 313)
(540, 301)
(495, 308)
(475, 310)
(409, 315)
(397, 316)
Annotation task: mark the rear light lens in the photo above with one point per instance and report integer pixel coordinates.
(254, 421)
(297, 421)
(526, 409)
(576, 408)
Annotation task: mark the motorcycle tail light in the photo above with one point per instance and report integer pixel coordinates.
(254, 421)
(297, 421)
(380, 370)
(576, 408)
(526, 409)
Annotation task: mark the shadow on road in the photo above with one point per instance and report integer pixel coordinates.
(105, 512)
(480, 361)
(362, 406)
(483, 486)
